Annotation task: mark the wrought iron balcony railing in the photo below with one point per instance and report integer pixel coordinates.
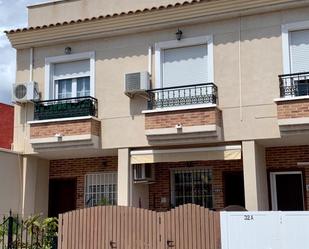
(294, 85)
(182, 95)
(65, 108)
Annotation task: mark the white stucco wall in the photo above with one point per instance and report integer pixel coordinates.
(10, 182)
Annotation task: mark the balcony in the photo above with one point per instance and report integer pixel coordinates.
(293, 105)
(183, 114)
(65, 108)
(182, 96)
(65, 124)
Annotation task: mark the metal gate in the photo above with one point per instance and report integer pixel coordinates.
(31, 233)
(105, 227)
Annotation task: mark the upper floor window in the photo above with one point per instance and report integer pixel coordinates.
(299, 51)
(184, 66)
(295, 43)
(184, 74)
(72, 79)
(69, 76)
(185, 62)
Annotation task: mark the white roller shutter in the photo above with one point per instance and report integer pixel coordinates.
(185, 66)
(299, 51)
(72, 69)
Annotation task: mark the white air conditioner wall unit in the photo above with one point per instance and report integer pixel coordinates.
(25, 92)
(143, 173)
(136, 83)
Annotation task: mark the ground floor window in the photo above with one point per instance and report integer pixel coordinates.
(192, 186)
(101, 189)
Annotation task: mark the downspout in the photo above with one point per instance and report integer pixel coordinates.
(31, 65)
(240, 72)
(150, 60)
(24, 160)
(26, 106)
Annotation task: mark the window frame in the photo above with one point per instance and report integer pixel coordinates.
(74, 83)
(50, 86)
(99, 174)
(190, 170)
(193, 41)
(286, 41)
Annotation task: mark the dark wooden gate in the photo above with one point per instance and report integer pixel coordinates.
(105, 227)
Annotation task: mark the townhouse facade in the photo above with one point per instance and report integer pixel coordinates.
(155, 104)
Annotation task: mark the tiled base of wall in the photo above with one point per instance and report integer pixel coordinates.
(78, 168)
(161, 188)
(286, 159)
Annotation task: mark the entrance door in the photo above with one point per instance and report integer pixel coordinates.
(62, 196)
(234, 191)
(287, 191)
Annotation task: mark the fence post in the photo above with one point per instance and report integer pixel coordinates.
(10, 231)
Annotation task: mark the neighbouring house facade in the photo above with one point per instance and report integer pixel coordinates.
(6, 125)
(154, 104)
(10, 164)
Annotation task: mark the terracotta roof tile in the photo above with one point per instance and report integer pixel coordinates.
(169, 6)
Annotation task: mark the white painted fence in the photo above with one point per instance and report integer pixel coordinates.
(265, 230)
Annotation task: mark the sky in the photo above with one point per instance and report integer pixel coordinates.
(13, 14)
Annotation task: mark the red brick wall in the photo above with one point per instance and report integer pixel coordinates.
(67, 128)
(293, 109)
(161, 188)
(192, 117)
(6, 125)
(286, 158)
(78, 168)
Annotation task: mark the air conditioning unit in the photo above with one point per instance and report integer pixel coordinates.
(26, 92)
(143, 173)
(136, 83)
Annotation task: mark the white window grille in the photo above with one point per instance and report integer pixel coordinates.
(101, 189)
(192, 186)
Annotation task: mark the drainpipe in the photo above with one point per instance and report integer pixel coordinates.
(150, 61)
(31, 65)
(23, 160)
(240, 72)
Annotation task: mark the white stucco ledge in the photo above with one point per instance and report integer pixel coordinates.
(293, 121)
(184, 130)
(180, 108)
(189, 134)
(66, 142)
(10, 151)
(61, 120)
(294, 126)
(291, 98)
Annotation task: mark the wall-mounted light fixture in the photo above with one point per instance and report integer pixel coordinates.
(178, 35)
(68, 50)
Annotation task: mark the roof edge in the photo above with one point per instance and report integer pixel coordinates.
(48, 2)
(131, 12)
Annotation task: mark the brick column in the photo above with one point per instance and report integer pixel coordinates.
(255, 176)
